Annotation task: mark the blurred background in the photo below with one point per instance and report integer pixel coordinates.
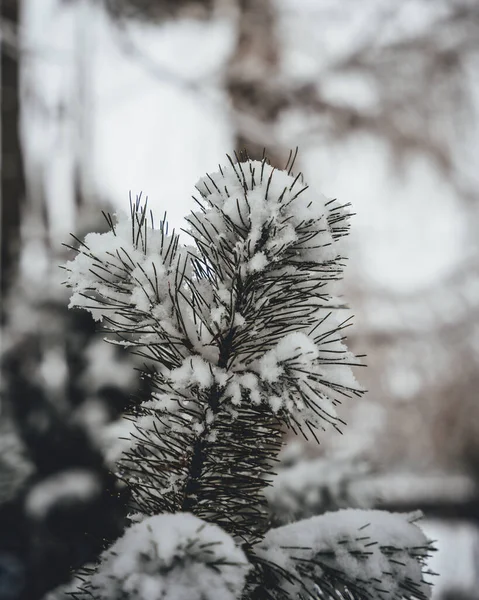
(102, 98)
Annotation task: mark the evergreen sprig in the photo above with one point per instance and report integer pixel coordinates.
(242, 337)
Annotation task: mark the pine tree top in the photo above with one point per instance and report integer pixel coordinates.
(242, 337)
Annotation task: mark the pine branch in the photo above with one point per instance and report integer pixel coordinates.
(162, 556)
(356, 554)
(242, 337)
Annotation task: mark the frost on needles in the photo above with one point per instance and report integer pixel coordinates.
(242, 338)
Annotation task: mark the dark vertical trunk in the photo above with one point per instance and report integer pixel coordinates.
(13, 177)
(251, 77)
(82, 140)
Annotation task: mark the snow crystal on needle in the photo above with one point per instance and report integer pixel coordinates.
(174, 556)
(380, 552)
(295, 347)
(258, 262)
(193, 371)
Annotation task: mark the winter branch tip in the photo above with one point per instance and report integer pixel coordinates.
(242, 336)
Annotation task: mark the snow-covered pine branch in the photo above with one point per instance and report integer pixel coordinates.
(366, 554)
(171, 556)
(242, 335)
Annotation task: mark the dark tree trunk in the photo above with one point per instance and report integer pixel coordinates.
(13, 177)
(251, 80)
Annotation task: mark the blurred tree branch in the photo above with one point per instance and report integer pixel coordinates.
(417, 76)
(418, 82)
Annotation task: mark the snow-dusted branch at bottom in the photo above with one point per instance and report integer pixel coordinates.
(364, 553)
(174, 556)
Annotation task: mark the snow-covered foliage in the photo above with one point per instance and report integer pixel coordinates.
(374, 554)
(242, 336)
(129, 268)
(266, 251)
(178, 557)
